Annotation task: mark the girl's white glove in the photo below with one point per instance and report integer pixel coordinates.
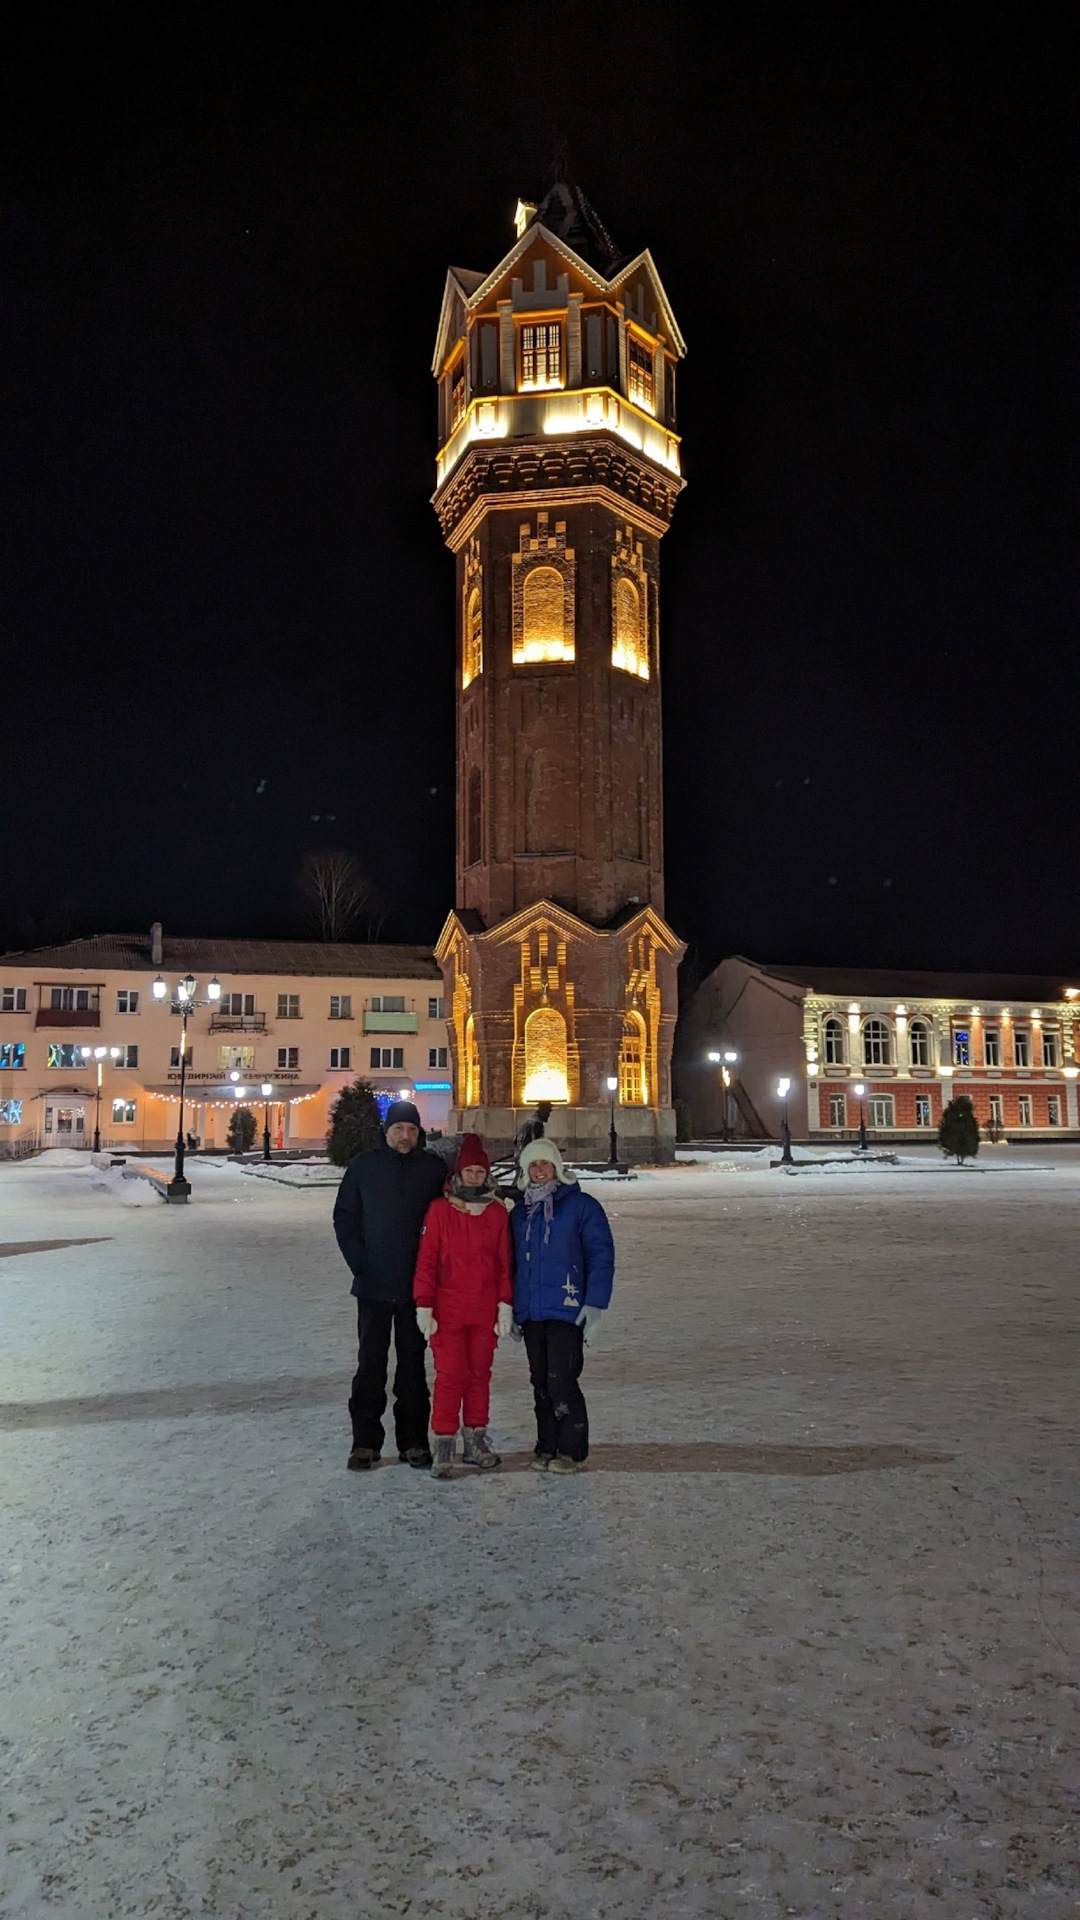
(504, 1324)
(426, 1321)
(590, 1318)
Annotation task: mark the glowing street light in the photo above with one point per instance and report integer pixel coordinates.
(100, 1054)
(267, 1090)
(860, 1092)
(783, 1088)
(185, 1004)
(613, 1143)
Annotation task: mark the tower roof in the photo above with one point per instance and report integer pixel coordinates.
(565, 212)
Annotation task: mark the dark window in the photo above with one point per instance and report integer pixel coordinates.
(834, 1044)
(877, 1046)
(920, 1045)
(435, 1008)
(473, 819)
(288, 1058)
(340, 1058)
(436, 1057)
(13, 1000)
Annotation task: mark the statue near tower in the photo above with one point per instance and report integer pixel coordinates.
(558, 472)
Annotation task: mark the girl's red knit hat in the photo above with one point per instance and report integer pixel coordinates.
(472, 1153)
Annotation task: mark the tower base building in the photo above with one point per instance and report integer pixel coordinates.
(558, 472)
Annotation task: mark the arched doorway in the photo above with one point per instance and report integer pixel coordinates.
(545, 1056)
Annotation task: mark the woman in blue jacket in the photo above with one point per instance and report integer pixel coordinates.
(564, 1268)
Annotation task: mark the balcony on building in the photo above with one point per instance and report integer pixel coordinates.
(390, 1013)
(68, 1007)
(237, 1022)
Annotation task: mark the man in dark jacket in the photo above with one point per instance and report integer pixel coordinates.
(381, 1203)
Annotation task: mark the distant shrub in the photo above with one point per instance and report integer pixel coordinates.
(240, 1137)
(354, 1123)
(958, 1133)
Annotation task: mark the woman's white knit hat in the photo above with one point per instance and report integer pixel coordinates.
(543, 1150)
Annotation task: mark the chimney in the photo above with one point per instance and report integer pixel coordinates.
(156, 954)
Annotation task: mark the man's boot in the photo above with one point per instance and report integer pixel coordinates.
(362, 1459)
(443, 1464)
(416, 1456)
(479, 1451)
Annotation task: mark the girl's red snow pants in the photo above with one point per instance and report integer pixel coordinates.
(463, 1361)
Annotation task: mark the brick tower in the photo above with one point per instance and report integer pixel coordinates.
(557, 475)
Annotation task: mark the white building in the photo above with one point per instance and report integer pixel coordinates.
(85, 1043)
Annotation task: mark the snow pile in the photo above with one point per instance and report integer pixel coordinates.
(296, 1173)
(62, 1157)
(132, 1189)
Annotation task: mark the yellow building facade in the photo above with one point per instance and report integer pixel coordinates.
(86, 1043)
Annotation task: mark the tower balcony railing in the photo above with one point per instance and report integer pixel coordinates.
(555, 411)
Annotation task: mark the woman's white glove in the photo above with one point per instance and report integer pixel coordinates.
(590, 1318)
(426, 1321)
(504, 1323)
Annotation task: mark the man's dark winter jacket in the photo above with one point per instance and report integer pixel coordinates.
(380, 1210)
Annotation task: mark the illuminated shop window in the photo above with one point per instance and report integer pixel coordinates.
(545, 1056)
(834, 1048)
(633, 1084)
(12, 1056)
(919, 1036)
(639, 368)
(64, 1053)
(472, 663)
(877, 1044)
(11, 1113)
(543, 618)
(630, 650)
(541, 355)
(457, 395)
(123, 1113)
(233, 1059)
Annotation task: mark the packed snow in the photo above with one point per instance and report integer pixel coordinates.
(802, 1641)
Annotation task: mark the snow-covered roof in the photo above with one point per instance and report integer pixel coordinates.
(341, 959)
(902, 983)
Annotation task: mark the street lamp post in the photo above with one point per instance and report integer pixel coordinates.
(99, 1054)
(613, 1140)
(725, 1061)
(267, 1090)
(861, 1092)
(185, 1004)
(783, 1088)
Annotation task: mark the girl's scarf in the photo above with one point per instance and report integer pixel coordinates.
(473, 1199)
(534, 1195)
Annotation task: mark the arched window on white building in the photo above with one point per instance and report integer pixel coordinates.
(834, 1043)
(919, 1039)
(877, 1044)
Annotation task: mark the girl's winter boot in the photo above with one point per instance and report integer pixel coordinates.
(479, 1451)
(443, 1464)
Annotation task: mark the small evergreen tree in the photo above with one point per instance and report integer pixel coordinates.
(241, 1131)
(958, 1133)
(354, 1123)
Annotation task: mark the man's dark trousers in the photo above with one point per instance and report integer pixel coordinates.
(556, 1350)
(376, 1320)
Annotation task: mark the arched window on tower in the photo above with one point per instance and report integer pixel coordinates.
(472, 658)
(545, 1056)
(544, 634)
(473, 818)
(630, 646)
(472, 1065)
(633, 1079)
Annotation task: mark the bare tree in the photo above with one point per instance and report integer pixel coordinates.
(339, 895)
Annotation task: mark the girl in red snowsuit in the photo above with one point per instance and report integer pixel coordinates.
(463, 1293)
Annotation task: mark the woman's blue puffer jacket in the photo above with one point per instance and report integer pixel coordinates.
(554, 1280)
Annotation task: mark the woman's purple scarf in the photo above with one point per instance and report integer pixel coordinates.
(544, 1191)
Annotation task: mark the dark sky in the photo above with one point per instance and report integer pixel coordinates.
(227, 615)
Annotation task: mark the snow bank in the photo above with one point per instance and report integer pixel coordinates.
(129, 1186)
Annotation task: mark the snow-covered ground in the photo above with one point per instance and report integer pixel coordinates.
(803, 1641)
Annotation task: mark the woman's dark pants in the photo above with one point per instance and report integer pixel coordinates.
(556, 1350)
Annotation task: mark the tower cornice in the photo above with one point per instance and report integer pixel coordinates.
(598, 468)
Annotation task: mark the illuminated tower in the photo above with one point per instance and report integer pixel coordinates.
(557, 475)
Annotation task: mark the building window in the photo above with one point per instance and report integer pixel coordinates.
(437, 1057)
(923, 1115)
(13, 1000)
(388, 1003)
(992, 1047)
(473, 818)
(174, 1057)
(541, 355)
(340, 1059)
(834, 1045)
(72, 999)
(996, 1110)
(233, 1059)
(129, 1057)
(633, 1079)
(543, 618)
(639, 369)
(1025, 1109)
(457, 394)
(961, 1047)
(877, 1044)
(837, 1110)
(880, 1110)
(435, 1007)
(388, 1057)
(127, 1000)
(630, 650)
(341, 1006)
(1053, 1111)
(545, 1056)
(123, 1113)
(288, 1006)
(1050, 1051)
(12, 1056)
(1021, 1048)
(919, 1036)
(288, 1059)
(236, 1005)
(472, 658)
(65, 1054)
(11, 1113)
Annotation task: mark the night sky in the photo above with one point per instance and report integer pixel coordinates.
(227, 614)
